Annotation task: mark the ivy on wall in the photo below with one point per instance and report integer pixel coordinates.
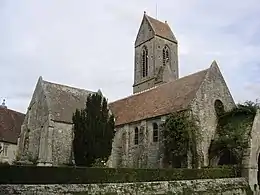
(233, 131)
(179, 132)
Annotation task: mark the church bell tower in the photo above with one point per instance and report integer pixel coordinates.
(156, 55)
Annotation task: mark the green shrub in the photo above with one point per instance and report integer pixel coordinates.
(180, 134)
(75, 175)
(233, 131)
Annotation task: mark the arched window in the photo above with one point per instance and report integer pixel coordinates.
(219, 107)
(155, 132)
(136, 136)
(166, 55)
(145, 61)
(123, 141)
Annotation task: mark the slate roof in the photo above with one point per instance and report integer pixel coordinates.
(161, 29)
(10, 125)
(64, 100)
(161, 100)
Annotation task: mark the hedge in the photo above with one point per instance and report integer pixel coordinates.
(79, 175)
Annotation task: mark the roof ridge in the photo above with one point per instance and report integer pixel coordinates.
(72, 87)
(12, 110)
(156, 19)
(153, 88)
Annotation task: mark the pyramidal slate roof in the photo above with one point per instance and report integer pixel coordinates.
(161, 29)
(10, 125)
(161, 100)
(63, 100)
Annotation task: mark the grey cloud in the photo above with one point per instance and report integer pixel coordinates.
(91, 45)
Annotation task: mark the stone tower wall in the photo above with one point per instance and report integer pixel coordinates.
(157, 73)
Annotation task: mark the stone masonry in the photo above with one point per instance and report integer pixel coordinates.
(197, 92)
(228, 186)
(155, 36)
(47, 134)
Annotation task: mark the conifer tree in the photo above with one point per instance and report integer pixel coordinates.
(93, 131)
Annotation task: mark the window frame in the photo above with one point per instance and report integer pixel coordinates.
(155, 132)
(166, 55)
(136, 136)
(5, 150)
(144, 62)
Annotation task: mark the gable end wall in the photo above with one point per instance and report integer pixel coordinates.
(145, 33)
(35, 125)
(211, 89)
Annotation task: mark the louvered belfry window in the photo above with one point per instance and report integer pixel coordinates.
(166, 56)
(144, 61)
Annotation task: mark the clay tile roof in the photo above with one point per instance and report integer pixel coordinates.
(64, 100)
(161, 100)
(10, 125)
(161, 29)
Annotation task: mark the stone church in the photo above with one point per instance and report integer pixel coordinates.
(158, 91)
(47, 132)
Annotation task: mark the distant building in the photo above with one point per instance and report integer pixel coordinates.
(10, 127)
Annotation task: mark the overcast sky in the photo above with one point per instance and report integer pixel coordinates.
(89, 44)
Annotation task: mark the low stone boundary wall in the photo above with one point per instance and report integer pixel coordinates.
(201, 187)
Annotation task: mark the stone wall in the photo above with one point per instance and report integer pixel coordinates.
(36, 122)
(142, 83)
(147, 153)
(155, 45)
(213, 88)
(226, 186)
(251, 155)
(62, 143)
(145, 33)
(159, 44)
